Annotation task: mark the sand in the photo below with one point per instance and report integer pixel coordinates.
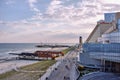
(9, 65)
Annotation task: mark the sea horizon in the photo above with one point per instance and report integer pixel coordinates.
(6, 48)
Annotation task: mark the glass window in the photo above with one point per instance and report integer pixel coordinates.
(119, 24)
(109, 17)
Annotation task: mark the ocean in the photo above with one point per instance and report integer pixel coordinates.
(6, 48)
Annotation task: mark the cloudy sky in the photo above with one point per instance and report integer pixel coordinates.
(53, 21)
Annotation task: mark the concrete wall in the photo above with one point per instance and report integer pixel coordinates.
(94, 35)
(117, 16)
(98, 31)
(105, 27)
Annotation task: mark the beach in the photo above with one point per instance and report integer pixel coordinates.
(28, 72)
(9, 65)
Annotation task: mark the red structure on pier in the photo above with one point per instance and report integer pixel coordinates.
(39, 55)
(48, 54)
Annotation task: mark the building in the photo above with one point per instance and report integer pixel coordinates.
(102, 48)
(109, 17)
(100, 29)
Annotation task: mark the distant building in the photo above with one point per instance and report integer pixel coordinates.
(102, 48)
(109, 25)
(80, 40)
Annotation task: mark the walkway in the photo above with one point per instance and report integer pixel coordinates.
(64, 69)
(50, 70)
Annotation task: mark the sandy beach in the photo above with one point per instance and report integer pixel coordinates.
(9, 65)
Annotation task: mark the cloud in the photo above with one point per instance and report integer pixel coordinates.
(110, 1)
(43, 36)
(81, 19)
(33, 7)
(2, 34)
(57, 10)
(62, 21)
(110, 7)
(54, 6)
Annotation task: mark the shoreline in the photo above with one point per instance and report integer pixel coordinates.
(29, 72)
(10, 65)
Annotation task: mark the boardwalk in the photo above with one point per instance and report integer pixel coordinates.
(65, 70)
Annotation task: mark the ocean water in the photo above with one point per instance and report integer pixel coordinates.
(6, 48)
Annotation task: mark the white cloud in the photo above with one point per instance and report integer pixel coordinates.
(33, 7)
(111, 1)
(54, 6)
(60, 22)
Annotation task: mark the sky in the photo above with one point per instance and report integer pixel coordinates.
(51, 21)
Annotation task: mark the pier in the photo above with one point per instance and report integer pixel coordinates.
(51, 46)
(38, 55)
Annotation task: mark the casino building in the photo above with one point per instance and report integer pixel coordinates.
(102, 47)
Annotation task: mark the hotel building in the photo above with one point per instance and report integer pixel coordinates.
(102, 47)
